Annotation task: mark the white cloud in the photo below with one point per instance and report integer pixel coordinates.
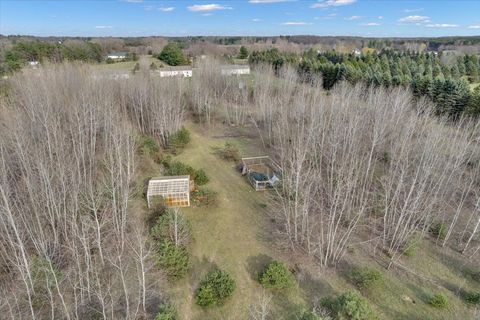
(380, 17)
(295, 23)
(353, 18)
(474, 26)
(103, 27)
(332, 3)
(414, 19)
(269, 1)
(413, 10)
(442, 25)
(208, 7)
(371, 24)
(256, 20)
(166, 9)
(133, 1)
(207, 14)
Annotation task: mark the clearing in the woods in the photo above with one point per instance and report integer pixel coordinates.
(238, 236)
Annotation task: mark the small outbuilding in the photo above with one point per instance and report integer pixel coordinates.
(118, 55)
(176, 71)
(174, 191)
(262, 172)
(234, 69)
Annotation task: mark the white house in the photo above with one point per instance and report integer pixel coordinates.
(357, 52)
(178, 71)
(234, 69)
(117, 55)
(33, 63)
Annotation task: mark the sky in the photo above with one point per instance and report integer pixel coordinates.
(370, 18)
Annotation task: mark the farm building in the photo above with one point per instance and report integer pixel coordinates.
(262, 172)
(234, 69)
(174, 190)
(178, 71)
(117, 55)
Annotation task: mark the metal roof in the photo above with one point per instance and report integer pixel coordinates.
(168, 185)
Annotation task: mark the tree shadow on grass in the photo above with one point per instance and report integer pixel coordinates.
(312, 287)
(199, 267)
(256, 264)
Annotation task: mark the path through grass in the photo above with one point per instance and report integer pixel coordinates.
(228, 235)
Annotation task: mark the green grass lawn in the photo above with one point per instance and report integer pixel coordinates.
(228, 235)
(237, 235)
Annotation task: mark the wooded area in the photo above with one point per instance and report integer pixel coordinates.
(361, 164)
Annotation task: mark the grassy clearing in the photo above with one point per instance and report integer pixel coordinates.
(235, 235)
(227, 235)
(474, 85)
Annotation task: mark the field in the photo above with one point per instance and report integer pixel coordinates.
(237, 235)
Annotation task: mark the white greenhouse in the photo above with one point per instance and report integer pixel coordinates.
(174, 191)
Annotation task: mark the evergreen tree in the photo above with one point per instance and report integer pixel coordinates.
(172, 55)
(243, 53)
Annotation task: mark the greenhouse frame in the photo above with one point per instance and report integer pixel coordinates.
(174, 190)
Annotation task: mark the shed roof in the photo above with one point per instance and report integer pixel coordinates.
(169, 185)
(176, 68)
(118, 53)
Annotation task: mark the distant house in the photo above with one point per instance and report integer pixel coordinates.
(33, 63)
(357, 52)
(234, 69)
(177, 71)
(117, 55)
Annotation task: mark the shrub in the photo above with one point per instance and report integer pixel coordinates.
(364, 277)
(217, 286)
(349, 305)
(439, 230)
(276, 276)
(178, 140)
(201, 177)
(173, 259)
(438, 301)
(172, 225)
(177, 168)
(204, 197)
(149, 146)
(166, 312)
(157, 209)
(230, 152)
(473, 297)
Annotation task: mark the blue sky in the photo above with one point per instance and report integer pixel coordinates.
(240, 17)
